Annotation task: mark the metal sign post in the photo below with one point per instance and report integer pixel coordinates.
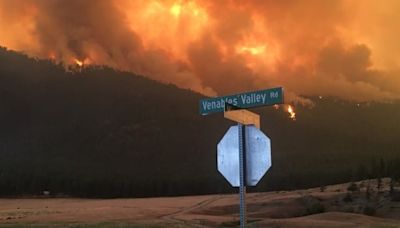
(242, 171)
(244, 153)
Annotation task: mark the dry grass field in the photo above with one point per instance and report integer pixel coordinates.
(363, 205)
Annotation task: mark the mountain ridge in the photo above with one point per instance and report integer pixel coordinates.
(97, 132)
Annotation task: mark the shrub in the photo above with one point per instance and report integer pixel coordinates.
(348, 198)
(353, 187)
(348, 209)
(395, 196)
(369, 210)
(315, 208)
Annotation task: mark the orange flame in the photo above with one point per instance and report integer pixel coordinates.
(79, 62)
(52, 55)
(83, 62)
(292, 114)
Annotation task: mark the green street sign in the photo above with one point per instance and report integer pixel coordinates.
(243, 100)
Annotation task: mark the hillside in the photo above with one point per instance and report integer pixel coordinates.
(357, 204)
(98, 132)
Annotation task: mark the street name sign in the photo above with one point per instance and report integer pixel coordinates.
(257, 147)
(242, 100)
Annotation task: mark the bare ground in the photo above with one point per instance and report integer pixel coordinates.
(334, 206)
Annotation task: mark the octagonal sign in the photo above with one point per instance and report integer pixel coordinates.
(258, 155)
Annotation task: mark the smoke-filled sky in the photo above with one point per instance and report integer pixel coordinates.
(348, 49)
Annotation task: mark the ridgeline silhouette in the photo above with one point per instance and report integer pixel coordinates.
(97, 132)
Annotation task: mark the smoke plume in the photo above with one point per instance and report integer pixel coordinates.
(347, 49)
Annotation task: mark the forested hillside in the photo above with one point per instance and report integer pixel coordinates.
(97, 132)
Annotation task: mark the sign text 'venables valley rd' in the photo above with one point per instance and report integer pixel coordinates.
(243, 100)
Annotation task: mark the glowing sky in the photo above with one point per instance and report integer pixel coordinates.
(349, 49)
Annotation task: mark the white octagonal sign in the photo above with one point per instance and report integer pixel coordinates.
(258, 155)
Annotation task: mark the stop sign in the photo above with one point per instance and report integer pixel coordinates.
(258, 155)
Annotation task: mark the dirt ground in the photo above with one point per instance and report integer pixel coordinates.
(332, 206)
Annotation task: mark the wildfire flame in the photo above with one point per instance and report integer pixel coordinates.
(51, 56)
(79, 62)
(292, 114)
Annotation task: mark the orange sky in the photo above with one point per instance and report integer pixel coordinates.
(348, 49)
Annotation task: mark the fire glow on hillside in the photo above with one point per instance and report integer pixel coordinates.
(291, 112)
(78, 62)
(346, 48)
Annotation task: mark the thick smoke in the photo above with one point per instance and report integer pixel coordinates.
(347, 49)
